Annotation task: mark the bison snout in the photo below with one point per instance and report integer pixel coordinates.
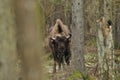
(62, 50)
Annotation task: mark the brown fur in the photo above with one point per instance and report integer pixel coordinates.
(54, 30)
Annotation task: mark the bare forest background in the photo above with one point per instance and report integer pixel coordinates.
(24, 31)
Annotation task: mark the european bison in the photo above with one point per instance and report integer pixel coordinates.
(59, 42)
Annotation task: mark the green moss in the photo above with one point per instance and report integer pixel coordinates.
(91, 78)
(57, 1)
(78, 75)
(75, 75)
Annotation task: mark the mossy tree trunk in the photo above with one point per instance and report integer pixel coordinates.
(8, 54)
(30, 37)
(77, 37)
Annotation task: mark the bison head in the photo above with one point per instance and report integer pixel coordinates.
(61, 43)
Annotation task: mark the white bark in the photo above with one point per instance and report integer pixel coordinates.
(106, 64)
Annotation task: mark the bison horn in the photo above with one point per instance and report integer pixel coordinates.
(69, 36)
(53, 38)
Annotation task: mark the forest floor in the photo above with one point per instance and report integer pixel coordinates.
(59, 75)
(90, 64)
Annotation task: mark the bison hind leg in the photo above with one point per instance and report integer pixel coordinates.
(67, 60)
(61, 61)
(54, 67)
(67, 57)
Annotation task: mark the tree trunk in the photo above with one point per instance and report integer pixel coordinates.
(30, 34)
(77, 36)
(106, 64)
(8, 54)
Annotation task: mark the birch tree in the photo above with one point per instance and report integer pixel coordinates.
(106, 64)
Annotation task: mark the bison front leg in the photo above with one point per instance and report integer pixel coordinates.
(54, 67)
(55, 62)
(59, 66)
(67, 56)
(61, 63)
